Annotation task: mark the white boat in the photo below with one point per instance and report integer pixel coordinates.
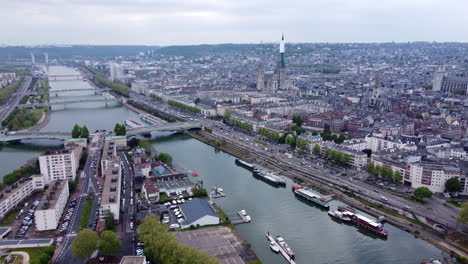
(274, 247)
(343, 216)
(285, 246)
(247, 217)
(243, 212)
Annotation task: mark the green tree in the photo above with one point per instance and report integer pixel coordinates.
(345, 158)
(120, 130)
(109, 243)
(315, 133)
(76, 131)
(422, 192)
(165, 157)
(197, 100)
(463, 214)
(371, 168)
(299, 130)
(290, 140)
(298, 120)
(397, 176)
(302, 144)
(84, 132)
(84, 244)
(109, 220)
(453, 185)
(316, 149)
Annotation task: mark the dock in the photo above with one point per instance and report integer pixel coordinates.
(285, 255)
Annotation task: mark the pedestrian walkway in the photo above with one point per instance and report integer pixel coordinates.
(22, 254)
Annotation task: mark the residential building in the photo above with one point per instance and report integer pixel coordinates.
(48, 213)
(18, 191)
(116, 72)
(139, 86)
(150, 190)
(142, 169)
(357, 159)
(432, 176)
(110, 202)
(60, 164)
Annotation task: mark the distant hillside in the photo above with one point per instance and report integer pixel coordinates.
(202, 50)
(68, 52)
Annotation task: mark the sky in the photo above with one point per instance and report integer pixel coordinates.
(186, 22)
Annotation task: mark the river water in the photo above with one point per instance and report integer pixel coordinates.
(308, 230)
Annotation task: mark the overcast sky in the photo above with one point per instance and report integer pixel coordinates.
(181, 22)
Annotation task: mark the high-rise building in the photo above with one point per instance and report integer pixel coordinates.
(55, 199)
(116, 72)
(33, 60)
(60, 165)
(282, 66)
(438, 78)
(46, 58)
(261, 76)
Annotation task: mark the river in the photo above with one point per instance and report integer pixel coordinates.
(309, 231)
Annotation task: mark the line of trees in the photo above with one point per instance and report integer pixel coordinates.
(337, 156)
(169, 118)
(328, 136)
(183, 106)
(156, 97)
(119, 88)
(273, 135)
(80, 132)
(244, 125)
(120, 130)
(6, 92)
(17, 174)
(384, 172)
(162, 247)
(87, 241)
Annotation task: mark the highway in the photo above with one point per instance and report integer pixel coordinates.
(15, 98)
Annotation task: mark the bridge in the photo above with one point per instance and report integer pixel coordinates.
(72, 90)
(73, 76)
(35, 135)
(130, 132)
(106, 100)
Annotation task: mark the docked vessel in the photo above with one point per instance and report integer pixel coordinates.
(245, 164)
(369, 224)
(274, 247)
(150, 119)
(312, 196)
(132, 123)
(285, 246)
(342, 214)
(269, 177)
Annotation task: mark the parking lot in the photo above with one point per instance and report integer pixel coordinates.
(220, 242)
(174, 216)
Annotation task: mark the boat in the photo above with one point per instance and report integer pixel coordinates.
(274, 247)
(245, 164)
(194, 174)
(310, 195)
(366, 223)
(243, 212)
(150, 119)
(344, 216)
(285, 246)
(132, 123)
(269, 177)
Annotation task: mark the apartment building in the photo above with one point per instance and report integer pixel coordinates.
(60, 164)
(48, 213)
(357, 159)
(110, 202)
(432, 176)
(13, 195)
(109, 152)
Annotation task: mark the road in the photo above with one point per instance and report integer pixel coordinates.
(65, 255)
(127, 216)
(15, 98)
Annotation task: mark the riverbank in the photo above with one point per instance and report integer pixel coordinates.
(45, 118)
(406, 224)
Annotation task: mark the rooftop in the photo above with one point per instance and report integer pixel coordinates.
(133, 260)
(12, 189)
(51, 195)
(111, 187)
(196, 209)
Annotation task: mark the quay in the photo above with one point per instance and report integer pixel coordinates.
(285, 255)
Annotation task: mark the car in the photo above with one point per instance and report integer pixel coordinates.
(383, 198)
(174, 226)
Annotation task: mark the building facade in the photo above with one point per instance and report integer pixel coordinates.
(60, 165)
(48, 213)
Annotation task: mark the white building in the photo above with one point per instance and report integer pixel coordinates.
(48, 213)
(116, 72)
(110, 202)
(377, 143)
(432, 176)
(18, 191)
(139, 86)
(357, 159)
(60, 165)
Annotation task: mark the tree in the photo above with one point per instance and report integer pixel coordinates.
(120, 130)
(397, 176)
(463, 214)
(371, 168)
(298, 120)
(316, 149)
(422, 192)
(110, 221)
(109, 243)
(85, 243)
(299, 130)
(165, 157)
(76, 131)
(290, 140)
(453, 185)
(84, 132)
(197, 100)
(301, 143)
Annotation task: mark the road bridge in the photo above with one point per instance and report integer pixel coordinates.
(106, 100)
(72, 90)
(68, 76)
(185, 126)
(34, 135)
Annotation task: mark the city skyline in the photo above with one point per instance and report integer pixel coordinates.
(182, 22)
